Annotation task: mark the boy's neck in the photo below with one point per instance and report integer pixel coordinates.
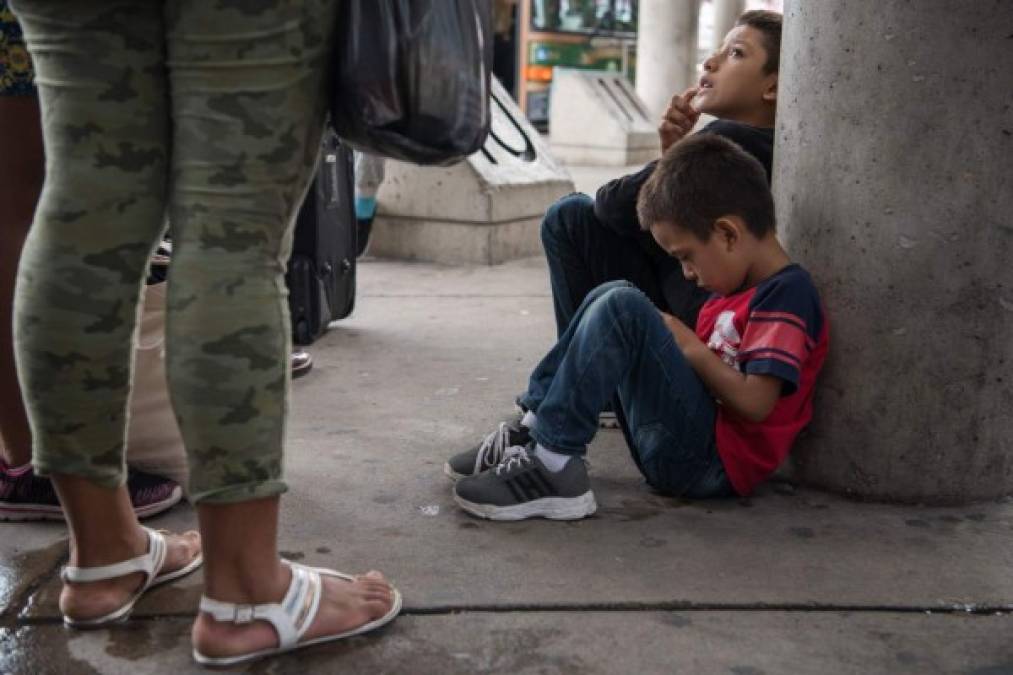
(763, 118)
(769, 259)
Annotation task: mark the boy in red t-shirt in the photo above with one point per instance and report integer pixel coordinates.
(711, 412)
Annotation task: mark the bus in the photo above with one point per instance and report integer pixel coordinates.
(589, 34)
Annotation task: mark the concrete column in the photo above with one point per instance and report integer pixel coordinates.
(666, 50)
(726, 12)
(892, 178)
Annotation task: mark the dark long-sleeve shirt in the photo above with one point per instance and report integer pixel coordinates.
(615, 204)
(615, 207)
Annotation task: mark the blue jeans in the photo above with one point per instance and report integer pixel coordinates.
(617, 341)
(583, 253)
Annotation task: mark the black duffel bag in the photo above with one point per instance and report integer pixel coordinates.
(412, 78)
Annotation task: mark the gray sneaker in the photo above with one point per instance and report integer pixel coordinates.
(489, 452)
(521, 487)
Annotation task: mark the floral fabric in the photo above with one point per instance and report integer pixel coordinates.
(15, 65)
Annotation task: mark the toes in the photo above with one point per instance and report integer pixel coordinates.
(194, 543)
(183, 548)
(384, 601)
(375, 587)
(372, 581)
(378, 589)
(378, 608)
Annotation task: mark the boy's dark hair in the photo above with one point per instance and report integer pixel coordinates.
(768, 23)
(702, 178)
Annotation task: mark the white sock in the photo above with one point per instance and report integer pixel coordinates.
(553, 461)
(528, 420)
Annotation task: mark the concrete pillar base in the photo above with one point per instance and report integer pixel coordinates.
(455, 243)
(582, 155)
(597, 119)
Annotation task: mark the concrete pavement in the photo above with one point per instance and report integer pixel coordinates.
(790, 581)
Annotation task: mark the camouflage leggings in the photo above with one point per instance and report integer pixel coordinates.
(208, 112)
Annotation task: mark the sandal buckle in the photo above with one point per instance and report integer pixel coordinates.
(244, 614)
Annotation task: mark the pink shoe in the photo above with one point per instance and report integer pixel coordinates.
(25, 496)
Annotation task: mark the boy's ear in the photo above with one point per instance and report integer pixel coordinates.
(728, 230)
(770, 93)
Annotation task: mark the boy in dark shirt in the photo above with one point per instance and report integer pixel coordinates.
(711, 412)
(588, 242)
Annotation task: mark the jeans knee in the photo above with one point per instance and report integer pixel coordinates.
(613, 291)
(561, 215)
(608, 299)
(621, 303)
(624, 298)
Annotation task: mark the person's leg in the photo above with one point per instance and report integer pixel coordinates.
(544, 374)
(583, 254)
(98, 218)
(669, 418)
(369, 171)
(242, 566)
(616, 340)
(23, 495)
(22, 168)
(490, 451)
(249, 96)
(619, 341)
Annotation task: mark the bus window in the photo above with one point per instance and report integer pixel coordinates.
(584, 15)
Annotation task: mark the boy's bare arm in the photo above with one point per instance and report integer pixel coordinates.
(750, 396)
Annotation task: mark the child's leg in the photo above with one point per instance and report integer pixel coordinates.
(669, 422)
(617, 335)
(582, 253)
(618, 340)
(490, 451)
(544, 374)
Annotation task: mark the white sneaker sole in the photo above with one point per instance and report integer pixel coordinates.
(553, 508)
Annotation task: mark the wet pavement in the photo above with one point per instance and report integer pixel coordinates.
(789, 581)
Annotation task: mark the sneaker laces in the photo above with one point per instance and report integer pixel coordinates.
(492, 450)
(513, 456)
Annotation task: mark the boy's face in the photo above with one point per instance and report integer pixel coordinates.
(716, 264)
(734, 85)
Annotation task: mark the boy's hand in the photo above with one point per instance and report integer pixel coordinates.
(678, 119)
(749, 396)
(684, 336)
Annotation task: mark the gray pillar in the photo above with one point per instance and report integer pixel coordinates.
(894, 159)
(726, 12)
(666, 50)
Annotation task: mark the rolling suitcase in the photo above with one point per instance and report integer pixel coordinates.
(321, 271)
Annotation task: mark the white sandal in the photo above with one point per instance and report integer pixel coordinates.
(291, 617)
(149, 563)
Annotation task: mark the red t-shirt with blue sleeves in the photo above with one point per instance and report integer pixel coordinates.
(776, 328)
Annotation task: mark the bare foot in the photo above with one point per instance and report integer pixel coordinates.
(344, 605)
(84, 601)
